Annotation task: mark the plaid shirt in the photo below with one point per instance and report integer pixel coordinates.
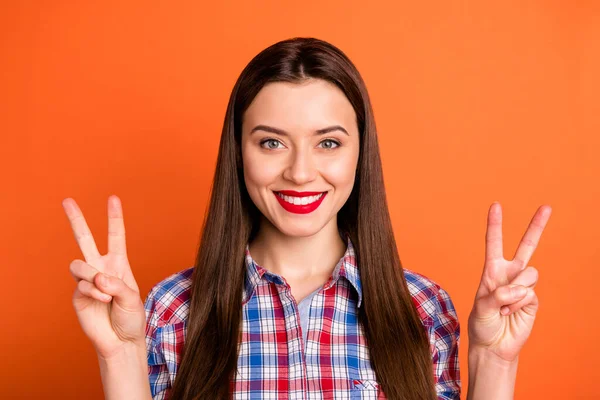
(273, 362)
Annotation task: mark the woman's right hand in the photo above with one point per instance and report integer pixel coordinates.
(110, 311)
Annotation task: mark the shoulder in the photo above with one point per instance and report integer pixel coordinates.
(429, 298)
(168, 301)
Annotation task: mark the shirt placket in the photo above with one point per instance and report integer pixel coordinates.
(297, 376)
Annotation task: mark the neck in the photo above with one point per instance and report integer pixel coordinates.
(300, 260)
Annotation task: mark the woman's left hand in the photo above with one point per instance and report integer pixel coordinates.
(506, 303)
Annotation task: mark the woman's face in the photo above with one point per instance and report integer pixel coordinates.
(300, 138)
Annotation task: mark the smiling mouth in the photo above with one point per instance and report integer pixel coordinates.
(300, 200)
(301, 203)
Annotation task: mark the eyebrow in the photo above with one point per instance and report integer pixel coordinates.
(278, 131)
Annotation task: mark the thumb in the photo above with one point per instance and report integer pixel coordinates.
(123, 295)
(502, 296)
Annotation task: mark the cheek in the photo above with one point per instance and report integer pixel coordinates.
(340, 172)
(255, 173)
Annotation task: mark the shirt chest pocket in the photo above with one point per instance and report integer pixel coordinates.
(166, 345)
(428, 324)
(365, 390)
(154, 349)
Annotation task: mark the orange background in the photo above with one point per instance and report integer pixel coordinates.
(475, 102)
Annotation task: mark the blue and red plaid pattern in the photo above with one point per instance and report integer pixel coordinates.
(272, 363)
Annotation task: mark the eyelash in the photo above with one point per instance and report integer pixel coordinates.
(262, 142)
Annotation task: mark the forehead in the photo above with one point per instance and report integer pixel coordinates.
(308, 105)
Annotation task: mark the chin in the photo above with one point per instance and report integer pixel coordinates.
(298, 231)
(292, 229)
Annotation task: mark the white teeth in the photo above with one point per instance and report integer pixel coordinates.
(300, 200)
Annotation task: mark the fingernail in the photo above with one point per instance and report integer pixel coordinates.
(504, 310)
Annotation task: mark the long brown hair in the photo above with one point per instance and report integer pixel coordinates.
(398, 343)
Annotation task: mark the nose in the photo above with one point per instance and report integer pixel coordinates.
(301, 167)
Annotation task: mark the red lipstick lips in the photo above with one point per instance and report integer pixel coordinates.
(299, 208)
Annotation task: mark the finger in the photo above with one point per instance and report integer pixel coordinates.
(507, 294)
(123, 295)
(532, 236)
(528, 303)
(527, 277)
(90, 290)
(532, 307)
(82, 270)
(81, 231)
(493, 235)
(116, 227)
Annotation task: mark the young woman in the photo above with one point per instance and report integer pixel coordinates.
(297, 291)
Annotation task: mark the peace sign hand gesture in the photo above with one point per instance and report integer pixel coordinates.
(106, 299)
(506, 303)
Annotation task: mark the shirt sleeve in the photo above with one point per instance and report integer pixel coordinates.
(158, 373)
(446, 330)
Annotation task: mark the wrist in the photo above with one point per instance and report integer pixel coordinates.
(124, 373)
(127, 352)
(479, 356)
(490, 376)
